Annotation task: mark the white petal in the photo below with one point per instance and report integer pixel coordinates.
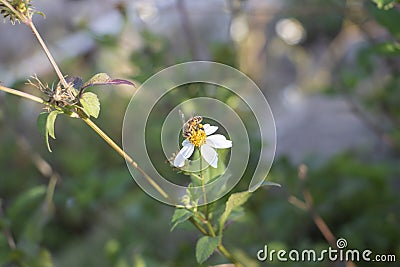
(185, 142)
(184, 153)
(210, 129)
(218, 141)
(209, 154)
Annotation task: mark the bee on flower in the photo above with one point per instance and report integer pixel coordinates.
(202, 137)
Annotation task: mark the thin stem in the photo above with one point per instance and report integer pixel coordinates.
(203, 186)
(22, 94)
(211, 231)
(31, 25)
(125, 156)
(229, 256)
(198, 226)
(50, 190)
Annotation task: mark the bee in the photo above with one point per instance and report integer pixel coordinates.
(191, 125)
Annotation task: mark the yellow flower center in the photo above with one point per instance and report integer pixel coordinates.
(198, 137)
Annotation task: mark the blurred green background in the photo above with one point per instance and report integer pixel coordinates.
(330, 70)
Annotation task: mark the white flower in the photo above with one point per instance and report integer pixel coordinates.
(206, 142)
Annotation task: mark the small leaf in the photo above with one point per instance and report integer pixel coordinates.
(45, 123)
(42, 125)
(235, 200)
(268, 183)
(205, 247)
(180, 216)
(90, 104)
(104, 79)
(51, 119)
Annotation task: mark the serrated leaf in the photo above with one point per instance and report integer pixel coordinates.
(205, 247)
(90, 104)
(235, 200)
(104, 79)
(180, 216)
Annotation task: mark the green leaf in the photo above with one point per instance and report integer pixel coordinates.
(41, 124)
(45, 123)
(180, 216)
(104, 79)
(235, 200)
(388, 19)
(51, 119)
(90, 104)
(384, 4)
(26, 202)
(205, 247)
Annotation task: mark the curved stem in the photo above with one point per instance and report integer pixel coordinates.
(125, 156)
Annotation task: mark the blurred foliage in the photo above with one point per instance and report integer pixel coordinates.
(99, 217)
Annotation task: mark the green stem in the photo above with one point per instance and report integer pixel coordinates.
(198, 226)
(203, 187)
(22, 94)
(53, 63)
(229, 256)
(121, 152)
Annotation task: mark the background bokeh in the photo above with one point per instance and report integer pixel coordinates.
(329, 69)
